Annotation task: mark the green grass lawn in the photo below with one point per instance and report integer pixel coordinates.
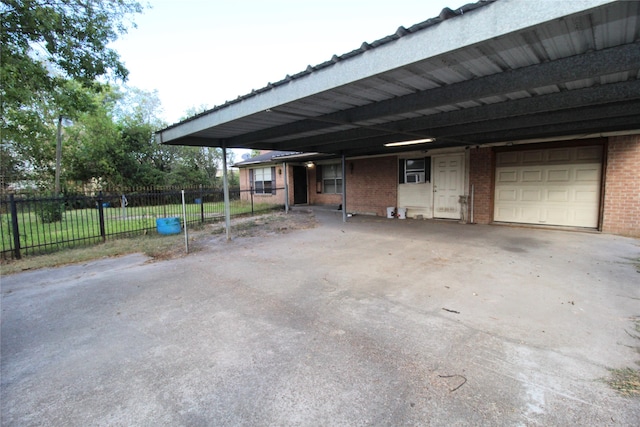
(82, 226)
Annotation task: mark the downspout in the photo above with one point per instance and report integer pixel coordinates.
(472, 195)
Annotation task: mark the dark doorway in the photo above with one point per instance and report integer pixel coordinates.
(299, 185)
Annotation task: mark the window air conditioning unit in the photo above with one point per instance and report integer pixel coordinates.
(415, 178)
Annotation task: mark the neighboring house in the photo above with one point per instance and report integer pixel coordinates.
(504, 111)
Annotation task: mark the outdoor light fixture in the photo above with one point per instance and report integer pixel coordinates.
(309, 164)
(412, 142)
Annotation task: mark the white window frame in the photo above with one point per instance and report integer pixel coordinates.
(415, 170)
(263, 180)
(332, 178)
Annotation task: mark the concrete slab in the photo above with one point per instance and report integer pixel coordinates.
(373, 322)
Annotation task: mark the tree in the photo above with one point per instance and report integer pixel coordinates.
(29, 134)
(193, 166)
(199, 164)
(115, 143)
(11, 167)
(90, 145)
(44, 41)
(51, 53)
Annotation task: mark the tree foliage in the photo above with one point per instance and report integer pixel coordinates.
(115, 144)
(51, 52)
(45, 42)
(55, 61)
(29, 133)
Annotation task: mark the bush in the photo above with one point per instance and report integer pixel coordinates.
(77, 200)
(51, 211)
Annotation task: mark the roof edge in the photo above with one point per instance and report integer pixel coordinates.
(444, 15)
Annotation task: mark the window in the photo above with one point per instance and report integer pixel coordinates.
(414, 171)
(331, 178)
(263, 180)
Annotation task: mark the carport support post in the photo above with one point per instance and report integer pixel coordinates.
(344, 189)
(225, 184)
(286, 188)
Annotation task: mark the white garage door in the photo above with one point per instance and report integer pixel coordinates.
(559, 186)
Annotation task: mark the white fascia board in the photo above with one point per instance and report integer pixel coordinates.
(491, 21)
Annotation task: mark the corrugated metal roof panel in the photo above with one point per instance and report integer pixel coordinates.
(354, 53)
(444, 86)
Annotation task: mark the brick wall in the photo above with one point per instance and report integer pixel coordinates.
(372, 185)
(277, 198)
(316, 196)
(481, 177)
(622, 187)
(243, 176)
(289, 184)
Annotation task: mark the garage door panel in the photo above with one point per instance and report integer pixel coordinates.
(590, 154)
(554, 187)
(585, 216)
(531, 213)
(557, 215)
(508, 176)
(558, 175)
(559, 155)
(588, 196)
(531, 195)
(507, 195)
(509, 158)
(532, 157)
(505, 213)
(558, 195)
(588, 175)
(531, 176)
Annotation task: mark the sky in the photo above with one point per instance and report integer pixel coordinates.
(202, 53)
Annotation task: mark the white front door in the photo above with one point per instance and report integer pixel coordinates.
(447, 186)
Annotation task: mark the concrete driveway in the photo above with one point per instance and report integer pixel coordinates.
(374, 322)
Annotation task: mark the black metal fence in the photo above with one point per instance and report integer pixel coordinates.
(36, 224)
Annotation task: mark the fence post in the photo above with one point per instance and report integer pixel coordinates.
(15, 228)
(201, 205)
(251, 193)
(103, 234)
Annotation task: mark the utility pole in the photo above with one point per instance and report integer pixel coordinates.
(58, 155)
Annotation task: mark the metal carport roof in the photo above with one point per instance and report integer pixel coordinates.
(486, 72)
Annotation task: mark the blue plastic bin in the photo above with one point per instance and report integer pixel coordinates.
(169, 225)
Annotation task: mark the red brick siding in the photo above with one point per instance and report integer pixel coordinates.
(481, 168)
(278, 198)
(319, 198)
(244, 184)
(372, 185)
(622, 187)
(290, 183)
